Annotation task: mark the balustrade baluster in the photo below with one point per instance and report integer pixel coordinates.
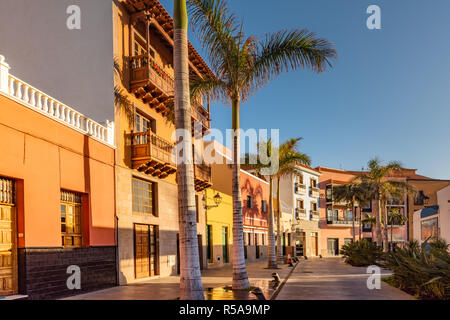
(18, 90)
(11, 86)
(33, 98)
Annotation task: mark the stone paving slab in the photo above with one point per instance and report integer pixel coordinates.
(214, 281)
(332, 279)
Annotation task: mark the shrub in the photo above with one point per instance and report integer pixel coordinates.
(421, 270)
(361, 253)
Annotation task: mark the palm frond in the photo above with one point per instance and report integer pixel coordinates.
(290, 50)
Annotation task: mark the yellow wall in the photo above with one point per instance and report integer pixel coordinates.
(219, 217)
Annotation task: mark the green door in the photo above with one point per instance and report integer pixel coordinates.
(225, 244)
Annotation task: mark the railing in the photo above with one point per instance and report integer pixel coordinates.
(38, 100)
(300, 213)
(315, 215)
(200, 114)
(314, 192)
(202, 172)
(148, 144)
(300, 188)
(141, 70)
(344, 222)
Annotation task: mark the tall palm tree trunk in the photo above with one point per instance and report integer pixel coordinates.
(240, 277)
(378, 224)
(272, 256)
(353, 221)
(386, 230)
(279, 243)
(190, 277)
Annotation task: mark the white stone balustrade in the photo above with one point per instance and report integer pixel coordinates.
(37, 100)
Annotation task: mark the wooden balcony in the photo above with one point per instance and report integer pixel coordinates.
(155, 87)
(152, 154)
(203, 179)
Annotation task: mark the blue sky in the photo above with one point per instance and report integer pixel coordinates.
(388, 94)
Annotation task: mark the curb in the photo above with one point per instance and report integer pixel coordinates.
(275, 294)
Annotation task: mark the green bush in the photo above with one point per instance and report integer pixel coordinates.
(361, 253)
(421, 270)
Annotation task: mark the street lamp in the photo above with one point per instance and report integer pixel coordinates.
(217, 200)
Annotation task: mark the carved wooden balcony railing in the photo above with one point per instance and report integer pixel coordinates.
(203, 180)
(155, 87)
(152, 154)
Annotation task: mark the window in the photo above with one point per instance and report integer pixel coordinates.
(300, 179)
(300, 204)
(329, 193)
(421, 199)
(263, 205)
(249, 239)
(367, 207)
(348, 215)
(143, 124)
(143, 200)
(71, 209)
(313, 183)
(250, 202)
(314, 206)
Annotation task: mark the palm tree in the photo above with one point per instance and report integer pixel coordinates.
(395, 217)
(190, 277)
(370, 220)
(381, 189)
(266, 151)
(289, 157)
(242, 65)
(351, 194)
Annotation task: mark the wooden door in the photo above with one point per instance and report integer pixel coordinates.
(142, 250)
(8, 251)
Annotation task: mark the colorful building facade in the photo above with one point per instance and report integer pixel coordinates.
(57, 207)
(146, 188)
(336, 218)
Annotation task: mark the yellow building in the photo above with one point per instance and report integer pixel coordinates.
(219, 228)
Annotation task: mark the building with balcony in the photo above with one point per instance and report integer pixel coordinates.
(56, 194)
(337, 224)
(299, 196)
(147, 192)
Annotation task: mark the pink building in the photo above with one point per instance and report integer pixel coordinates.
(336, 218)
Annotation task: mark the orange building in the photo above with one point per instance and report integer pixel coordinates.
(56, 194)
